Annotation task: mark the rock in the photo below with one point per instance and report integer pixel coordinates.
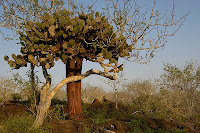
(97, 103)
(117, 126)
(103, 130)
(64, 126)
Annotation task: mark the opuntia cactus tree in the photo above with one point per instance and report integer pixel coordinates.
(123, 32)
(58, 36)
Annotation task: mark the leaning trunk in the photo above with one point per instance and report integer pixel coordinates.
(73, 68)
(41, 112)
(44, 104)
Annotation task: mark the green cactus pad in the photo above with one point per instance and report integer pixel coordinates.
(35, 46)
(10, 62)
(14, 56)
(117, 70)
(98, 19)
(65, 35)
(6, 58)
(28, 33)
(64, 45)
(57, 58)
(74, 23)
(51, 21)
(60, 33)
(96, 14)
(100, 59)
(55, 15)
(42, 26)
(64, 57)
(81, 23)
(30, 57)
(104, 52)
(88, 21)
(113, 60)
(71, 28)
(28, 27)
(71, 42)
(35, 62)
(46, 25)
(49, 56)
(125, 54)
(64, 12)
(32, 60)
(46, 16)
(75, 29)
(19, 62)
(41, 46)
(37, 24)
(23, 38)
(47, 66)
(61, 19)
(82, 50)
(43, 63)
(108, 55)
(93, 22)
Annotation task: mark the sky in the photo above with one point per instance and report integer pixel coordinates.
(184, 46)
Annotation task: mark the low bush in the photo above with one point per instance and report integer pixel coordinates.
(21, 124)
(16, 97)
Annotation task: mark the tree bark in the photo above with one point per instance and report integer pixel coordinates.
(74, 68)
(44, 104)
(33, 89)
(41, 112)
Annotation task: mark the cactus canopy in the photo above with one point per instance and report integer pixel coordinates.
(59, 36)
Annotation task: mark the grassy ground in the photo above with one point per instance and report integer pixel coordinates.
(97, 117)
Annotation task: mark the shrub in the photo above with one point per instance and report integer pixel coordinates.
(16, 97)
(21, 124)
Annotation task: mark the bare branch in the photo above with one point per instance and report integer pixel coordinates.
(77, 78)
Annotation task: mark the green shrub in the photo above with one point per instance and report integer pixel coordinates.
(59, 112)
(16, 97)
(21, 124)
(86, 130)
(56, 101)
(141, 126)
(99, 118)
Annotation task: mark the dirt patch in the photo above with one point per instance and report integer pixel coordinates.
(9, 109)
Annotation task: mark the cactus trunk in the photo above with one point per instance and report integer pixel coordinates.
(73, 68)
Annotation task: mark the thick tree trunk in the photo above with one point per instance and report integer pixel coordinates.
(73, 68)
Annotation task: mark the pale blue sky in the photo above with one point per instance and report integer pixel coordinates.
(184, 46)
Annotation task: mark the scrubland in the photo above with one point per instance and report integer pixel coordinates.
(168, 104)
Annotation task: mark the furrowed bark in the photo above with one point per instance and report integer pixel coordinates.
(79, 110)
(73, 68)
